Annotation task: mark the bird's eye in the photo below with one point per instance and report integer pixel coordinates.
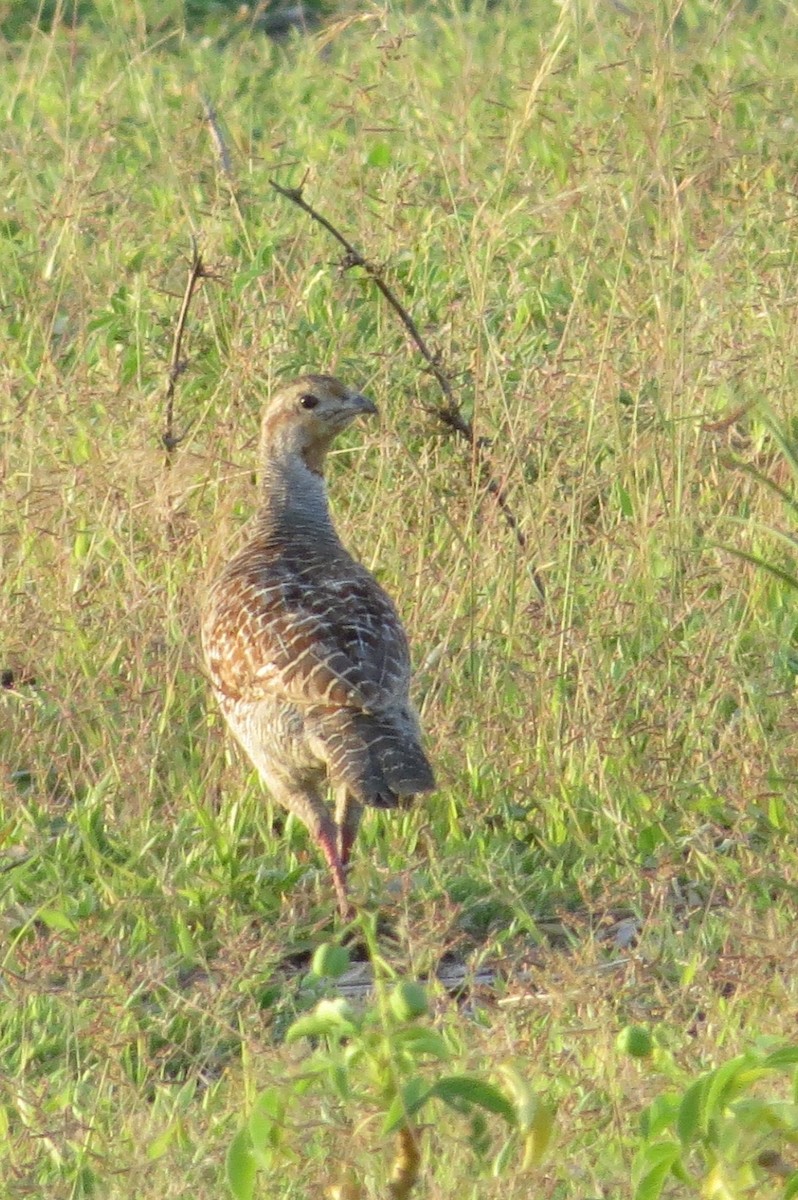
(308, 400)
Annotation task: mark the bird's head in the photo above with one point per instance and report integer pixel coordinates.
(304, 416)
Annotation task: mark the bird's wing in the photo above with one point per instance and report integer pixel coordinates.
(334, 641)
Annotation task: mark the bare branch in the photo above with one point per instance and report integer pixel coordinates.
(177, 366)
(449, 413)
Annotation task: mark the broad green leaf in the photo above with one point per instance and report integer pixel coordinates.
(624, 501)
(185, 941)
(537, 1140)
(460, 1091)
(158, 1147)
(419, 1041)
(636, 1041)
(240, 1167)
(379, 155)
(661, 1113)
(524, 1098)
(652, 1167)
(339, 1080)
(786, 1056)
(534, 1118)
(82, 544)
(412, 1097)
(728, 1081)
(266, 1119)
(408, 1000)
(688, 1119)
(54, 918)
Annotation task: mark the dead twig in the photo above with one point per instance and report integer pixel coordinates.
(449, 413)
(177, 366)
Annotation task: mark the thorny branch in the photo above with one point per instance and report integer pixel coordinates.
(449, 413)
(177, 366)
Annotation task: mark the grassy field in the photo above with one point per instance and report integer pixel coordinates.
(591, 214)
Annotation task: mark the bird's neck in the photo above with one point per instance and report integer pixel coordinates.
(294, 498)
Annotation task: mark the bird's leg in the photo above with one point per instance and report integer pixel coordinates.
(314, 814)
(332, 856)
(347, 819)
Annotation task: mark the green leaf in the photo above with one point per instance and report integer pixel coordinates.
(54, 918)
(135, 261)
(420, 1041)
(636, 1041)
(82, 544)
(339, 1080)
(379, 155)
(185, 941)
(624, 500)
(652, 1167)
(461, 1091)
(688, 1119)
(756, 561)
(728, 1081)
(266, 1120)
(786, 1056)
(538, 1137)
(411, 1098)
(240, 1166)
(524, 1098)
(661, 1113)
(159, 1146)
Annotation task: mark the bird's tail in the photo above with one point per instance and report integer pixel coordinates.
(378, 757)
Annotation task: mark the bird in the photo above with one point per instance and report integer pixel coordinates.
(306, 653)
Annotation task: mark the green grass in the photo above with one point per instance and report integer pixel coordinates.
(591, 215)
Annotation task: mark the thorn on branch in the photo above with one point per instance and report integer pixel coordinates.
(170, 441)
(177, 369)
(352, 259)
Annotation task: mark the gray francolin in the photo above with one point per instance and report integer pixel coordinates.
(306, 653)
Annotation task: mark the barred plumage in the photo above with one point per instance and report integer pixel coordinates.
(306, 653)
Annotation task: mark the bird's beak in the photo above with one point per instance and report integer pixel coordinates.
(362, 404)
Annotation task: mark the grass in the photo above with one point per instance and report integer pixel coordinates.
(591, 214)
